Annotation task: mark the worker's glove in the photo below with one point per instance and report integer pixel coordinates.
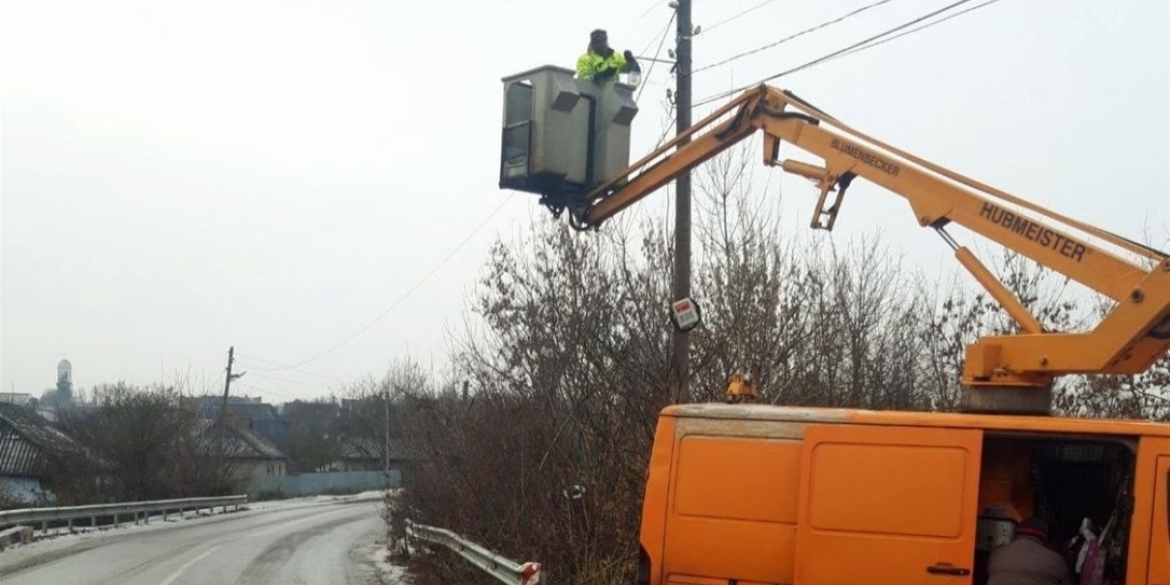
(631, 63)
(604, 74)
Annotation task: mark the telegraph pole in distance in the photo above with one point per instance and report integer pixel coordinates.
(386, 430)
(680, 353)
(227, 385)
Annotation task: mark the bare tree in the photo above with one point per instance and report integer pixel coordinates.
(141, 444)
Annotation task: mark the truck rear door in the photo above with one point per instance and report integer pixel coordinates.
(1158, 572)
(885, 505)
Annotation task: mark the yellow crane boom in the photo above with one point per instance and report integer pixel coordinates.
(1001, 372)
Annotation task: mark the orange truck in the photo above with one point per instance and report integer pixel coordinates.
(758, 494)
(747, 494)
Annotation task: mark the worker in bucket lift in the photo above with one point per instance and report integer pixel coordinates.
(1026, 560)
(601, 63)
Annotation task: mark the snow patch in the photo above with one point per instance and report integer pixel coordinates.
(388, 572)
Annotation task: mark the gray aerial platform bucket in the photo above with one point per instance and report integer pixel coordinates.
(563, 136)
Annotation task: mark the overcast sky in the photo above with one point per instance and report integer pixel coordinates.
(178, 177)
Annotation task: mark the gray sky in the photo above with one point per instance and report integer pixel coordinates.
(178, 177)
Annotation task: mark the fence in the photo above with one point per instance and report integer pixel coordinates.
(46, 517)
(504, 570)
(334, 482)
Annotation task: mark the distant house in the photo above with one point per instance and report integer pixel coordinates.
(252, 456)
(17, 398)
(364, 454)
(250, 413)
(29, 447)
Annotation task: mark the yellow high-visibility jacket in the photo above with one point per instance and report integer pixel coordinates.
(592, 63)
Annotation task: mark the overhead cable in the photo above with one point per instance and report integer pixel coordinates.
(842, 51)
(653, 61)
(917, 28)
(738, 15)
(660, 37)
(280, 367)
(405, 295)
(792, 36)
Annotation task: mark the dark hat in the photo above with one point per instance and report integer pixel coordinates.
(597, 35)
(1036, 527)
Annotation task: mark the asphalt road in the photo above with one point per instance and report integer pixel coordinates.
(323, 544)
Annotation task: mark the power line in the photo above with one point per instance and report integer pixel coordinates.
(793, 36)
(740, 14)
(280, 367)
(839, 52)
(918, 28)
(405, 295)
(273, 392)
(661, 35)
(285, 381)
(654, 61)
(653, 5)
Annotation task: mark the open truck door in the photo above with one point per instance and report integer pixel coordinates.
(888, 505)
(1156, 454)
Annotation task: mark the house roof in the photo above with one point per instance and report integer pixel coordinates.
(239, 442)
(365, 448)
(25, 440)
(210, 406)
(256, 412)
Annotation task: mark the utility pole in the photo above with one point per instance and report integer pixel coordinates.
(227, 385)
(680, 351)
(386, 447)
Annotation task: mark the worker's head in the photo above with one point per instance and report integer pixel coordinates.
(598, 39)
(1034, 527)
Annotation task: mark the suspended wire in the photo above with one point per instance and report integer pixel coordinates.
(666, 129)
(281, 380)
(839, 52)
(280, 367)
(272, 392)
(791, 37)
(917, 28)
(654, 61)
(741, 14)
(650, 8)
(405, 295)
(660, 37)
(656, 4)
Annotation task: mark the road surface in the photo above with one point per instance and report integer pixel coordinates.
(322, 544)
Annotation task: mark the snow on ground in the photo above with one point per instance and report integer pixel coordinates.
(388, 572)
(310, 500)
(60, 540)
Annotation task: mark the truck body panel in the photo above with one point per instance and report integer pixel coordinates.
(764, 494)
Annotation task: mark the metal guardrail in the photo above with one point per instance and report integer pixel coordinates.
(504, 570)
(44, 516)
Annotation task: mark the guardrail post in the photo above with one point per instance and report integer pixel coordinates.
(45, 527)
(70, 525)
(115, 519)
(164, 515)
(93, 521)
